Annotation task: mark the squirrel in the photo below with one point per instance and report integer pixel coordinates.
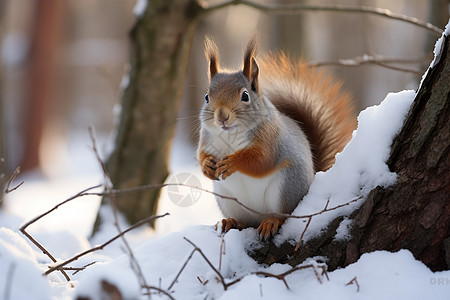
(265, 130)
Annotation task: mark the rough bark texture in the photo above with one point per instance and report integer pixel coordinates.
(413, 214)
(160, 43)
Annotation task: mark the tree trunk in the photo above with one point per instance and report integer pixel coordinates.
(3, 164)
(46, 40)
(414, 213)
(160, 43)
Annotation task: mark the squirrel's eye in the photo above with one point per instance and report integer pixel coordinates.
(245, 97)
(207, 98)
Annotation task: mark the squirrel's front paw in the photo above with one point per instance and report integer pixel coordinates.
(209, 167)
(226, 167)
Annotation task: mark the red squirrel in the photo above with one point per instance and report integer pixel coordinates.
(265, 130)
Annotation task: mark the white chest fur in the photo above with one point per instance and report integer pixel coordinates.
(226, 142)
(260, 194)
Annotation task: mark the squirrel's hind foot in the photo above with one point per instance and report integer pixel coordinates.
(230, 223)
(269, 227)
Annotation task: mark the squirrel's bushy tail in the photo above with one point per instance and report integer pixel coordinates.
(314, 100)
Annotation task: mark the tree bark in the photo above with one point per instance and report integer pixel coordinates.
(160, 44)
(414, 213)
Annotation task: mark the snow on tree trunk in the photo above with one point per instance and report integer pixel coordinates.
(414, 213)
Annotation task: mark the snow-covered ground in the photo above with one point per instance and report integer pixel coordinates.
(162, 255)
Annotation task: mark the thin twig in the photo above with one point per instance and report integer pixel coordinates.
(108, 186)
(181, 270)
(225, 285)
(159, 290)
(222, 280)
(78, 269)
(35, 242)
(100, 247)
(105, 173)
(83, 193)
(303, 233)
(296, 8)
(10, 181)
(371, 59)
(354, 281)
(157, 186)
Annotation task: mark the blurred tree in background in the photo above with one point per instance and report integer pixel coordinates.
(160, 42)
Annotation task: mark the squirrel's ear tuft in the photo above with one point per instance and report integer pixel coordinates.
(251, 69)
(212, 56)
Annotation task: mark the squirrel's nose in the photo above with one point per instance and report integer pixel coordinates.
(222, 116)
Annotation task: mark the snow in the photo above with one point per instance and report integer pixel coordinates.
(358, 169)
(139, 8)
(166, 253)
(162, 254)
(19, 269)
(343, 231)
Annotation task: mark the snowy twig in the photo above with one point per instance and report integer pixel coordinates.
(10, 181)
(100, 247)
(324, 210)
(225, 285)
(296, 8)
(282, 276)
(197, 249)
(35, 242)
(371, 59)
(354, 281)
(160, 291)
(303, 233)
(78, 269)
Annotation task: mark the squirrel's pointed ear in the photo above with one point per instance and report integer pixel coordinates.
(251, 69)
(212, 56)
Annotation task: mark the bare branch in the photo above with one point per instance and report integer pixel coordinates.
(221, 279)
(296, 8)
(78, 195)
(108, 186)
(100, 247)
(372, 60)
(35, 242)
(303, 233)
(10, 181)
(107, 178)
(354, 281)
(159, 290)
(157, 186)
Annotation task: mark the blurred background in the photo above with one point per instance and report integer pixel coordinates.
(62, 63)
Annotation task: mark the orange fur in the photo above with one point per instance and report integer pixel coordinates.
(269, 227)
(258, 160)
(313, 99)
